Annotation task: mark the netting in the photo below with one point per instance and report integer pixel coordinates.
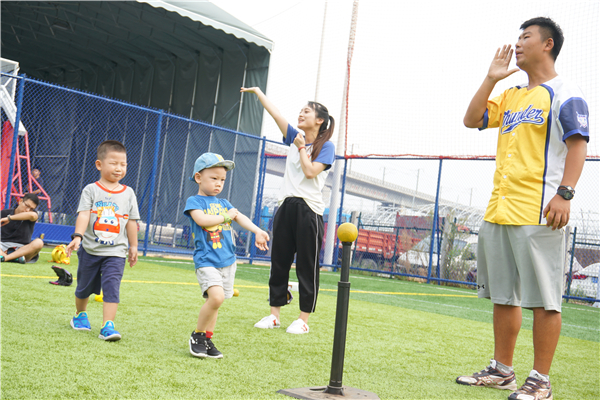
(406, 209)
(416, 66)
(394, 200)
(62, 129)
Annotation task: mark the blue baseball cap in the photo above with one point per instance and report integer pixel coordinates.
(210, 160)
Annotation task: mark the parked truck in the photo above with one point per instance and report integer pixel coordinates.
(380, 250)
(379, 247)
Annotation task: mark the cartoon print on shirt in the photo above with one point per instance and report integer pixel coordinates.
(107, 226)
(214, 234)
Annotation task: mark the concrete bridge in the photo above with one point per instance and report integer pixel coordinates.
(368, 187)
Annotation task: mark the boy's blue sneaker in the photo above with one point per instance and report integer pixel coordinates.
(81, 322)
(109, 333)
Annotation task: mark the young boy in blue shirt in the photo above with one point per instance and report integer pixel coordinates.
(107, 231)
(214, 253)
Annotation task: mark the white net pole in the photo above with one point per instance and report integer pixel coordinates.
(318, 85)
(340, 148)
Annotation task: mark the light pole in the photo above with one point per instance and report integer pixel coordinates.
(416, 189)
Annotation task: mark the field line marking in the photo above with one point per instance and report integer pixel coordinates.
(129, 281)
(266, 287)
(258, 287)
(322, 289)
(31, 276)
(248, 266)
(413, 294)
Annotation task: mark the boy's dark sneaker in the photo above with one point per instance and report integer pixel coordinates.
(109, 333)
(198, 346)
(490, 377)
(212, 351)
(533, 389)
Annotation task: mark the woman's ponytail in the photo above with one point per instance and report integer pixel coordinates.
(325, 130)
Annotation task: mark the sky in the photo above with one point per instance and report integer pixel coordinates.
(414, 68)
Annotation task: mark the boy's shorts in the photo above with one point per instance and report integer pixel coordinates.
(211, 276)
(521, 265)
(99, 273)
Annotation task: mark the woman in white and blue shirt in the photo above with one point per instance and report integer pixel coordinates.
(298, 223)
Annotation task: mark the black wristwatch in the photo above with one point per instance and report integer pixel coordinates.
(566, 192)
(79, 235)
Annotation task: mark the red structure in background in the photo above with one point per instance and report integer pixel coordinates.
(16, 190)
(382, 246)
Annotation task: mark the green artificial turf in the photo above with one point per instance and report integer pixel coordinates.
(405, 340)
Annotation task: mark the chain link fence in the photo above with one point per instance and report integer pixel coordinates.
(418, 219)
(60, 130)
(428, 232)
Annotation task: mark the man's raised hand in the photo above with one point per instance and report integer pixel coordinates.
(499, 68)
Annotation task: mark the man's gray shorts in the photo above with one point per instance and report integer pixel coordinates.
(521, 265)
(211, 276)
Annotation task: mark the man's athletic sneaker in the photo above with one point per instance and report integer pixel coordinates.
(269, 322)
(20, 260)
(297, 327)
(109, 333)
(533, 389)
(81, 322)
(490, 377)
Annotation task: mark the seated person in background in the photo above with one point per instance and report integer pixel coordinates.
(37, 186)
(17, 228)
(35, 173)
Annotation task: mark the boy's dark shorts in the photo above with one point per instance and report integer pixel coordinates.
(99, 273)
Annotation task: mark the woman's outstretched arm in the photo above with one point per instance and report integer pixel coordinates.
(270, 107)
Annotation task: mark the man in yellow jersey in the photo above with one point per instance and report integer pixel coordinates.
(542, 144)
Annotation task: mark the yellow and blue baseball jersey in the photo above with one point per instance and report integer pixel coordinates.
(530, 159)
